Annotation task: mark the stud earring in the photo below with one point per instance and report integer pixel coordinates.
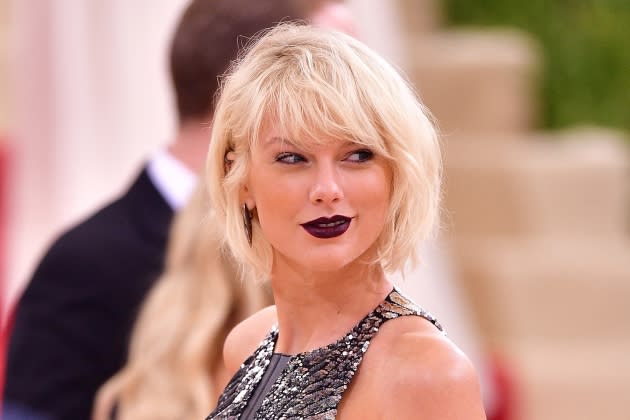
(247, 222)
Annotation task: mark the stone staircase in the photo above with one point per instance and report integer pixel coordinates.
(537, 222)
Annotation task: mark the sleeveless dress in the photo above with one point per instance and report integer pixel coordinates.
(309, 385)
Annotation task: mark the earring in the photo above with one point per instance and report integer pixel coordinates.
(247, 222)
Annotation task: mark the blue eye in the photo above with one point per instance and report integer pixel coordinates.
(290, 158)
(360, 155)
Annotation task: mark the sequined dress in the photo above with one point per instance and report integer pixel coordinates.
(311, 384)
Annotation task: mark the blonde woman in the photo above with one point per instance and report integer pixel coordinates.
(175, 368)
(324, 173)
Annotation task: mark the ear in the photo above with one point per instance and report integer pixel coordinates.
(228, 159)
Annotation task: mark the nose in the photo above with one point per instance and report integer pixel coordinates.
(326, 187)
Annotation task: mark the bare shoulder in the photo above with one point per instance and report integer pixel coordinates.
(246, 337)
(426, 373)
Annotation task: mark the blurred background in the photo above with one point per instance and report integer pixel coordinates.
(533, 102)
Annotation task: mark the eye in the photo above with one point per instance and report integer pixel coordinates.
(290, 158)
(361, 155)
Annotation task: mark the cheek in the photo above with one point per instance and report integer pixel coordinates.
(277, 202)
(376, 191)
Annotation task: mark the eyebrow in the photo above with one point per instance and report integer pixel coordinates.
(275, 140)
(278, 140)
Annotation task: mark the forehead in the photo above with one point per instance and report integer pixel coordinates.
(303, 135)
(310, 126)
(272, 138)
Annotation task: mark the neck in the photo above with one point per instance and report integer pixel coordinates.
(191, 144)
(316, 309)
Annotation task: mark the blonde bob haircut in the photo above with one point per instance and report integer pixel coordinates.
(318, 85)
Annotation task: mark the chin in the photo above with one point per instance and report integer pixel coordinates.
(322, 261)
(328, 265)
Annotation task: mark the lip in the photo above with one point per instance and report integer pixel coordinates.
(328, 227)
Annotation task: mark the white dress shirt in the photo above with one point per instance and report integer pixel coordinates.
(172, 179)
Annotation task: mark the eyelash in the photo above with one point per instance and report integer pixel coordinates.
(282, 158)
(368, 155)
(295, 158)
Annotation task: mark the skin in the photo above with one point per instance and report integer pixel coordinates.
(190, 145)
(429, 377)
(313, 278)
(289, 186)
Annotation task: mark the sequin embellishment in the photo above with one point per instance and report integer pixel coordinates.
(312, 383)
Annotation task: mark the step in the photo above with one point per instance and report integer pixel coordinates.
(477, 82)
(577, 380)
(546, 288)
(570, 183)
(420, 17)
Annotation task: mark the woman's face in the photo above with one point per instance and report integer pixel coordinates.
(321, 209)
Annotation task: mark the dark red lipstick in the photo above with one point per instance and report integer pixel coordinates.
(328, 227)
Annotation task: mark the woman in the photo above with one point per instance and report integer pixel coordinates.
(324, 172)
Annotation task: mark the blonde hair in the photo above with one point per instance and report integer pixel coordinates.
(175, 351)
(317, 84)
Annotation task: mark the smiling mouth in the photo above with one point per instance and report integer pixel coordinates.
(328, 227)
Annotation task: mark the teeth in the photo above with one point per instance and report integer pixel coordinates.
(325, 225)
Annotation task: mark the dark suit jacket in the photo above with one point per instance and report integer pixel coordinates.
(74, 319)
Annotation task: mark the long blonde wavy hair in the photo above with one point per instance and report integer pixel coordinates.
(175, 352)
